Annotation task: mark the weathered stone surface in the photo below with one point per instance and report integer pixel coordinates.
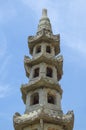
(39, 83)
(42, 94)
(44, 37)
(63, 120)
(43, 58)
(44, 23)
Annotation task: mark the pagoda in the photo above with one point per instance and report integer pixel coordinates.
(42, 94)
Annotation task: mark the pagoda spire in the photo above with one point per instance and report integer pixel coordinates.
(44, 13)
(44, 22)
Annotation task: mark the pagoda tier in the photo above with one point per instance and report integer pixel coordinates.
(39, 83)
(44, 36)
(44, 118)
(44, 58)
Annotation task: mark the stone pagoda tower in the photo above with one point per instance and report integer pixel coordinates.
(42, 94)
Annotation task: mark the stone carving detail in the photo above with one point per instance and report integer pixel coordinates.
(42, 94)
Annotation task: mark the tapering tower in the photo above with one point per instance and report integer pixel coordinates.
(42, 94)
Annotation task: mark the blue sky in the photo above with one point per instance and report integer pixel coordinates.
(18, 20)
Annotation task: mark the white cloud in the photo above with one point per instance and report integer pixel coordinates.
(4, 66)
(74, 42)
(36, 5)
(5, 56)
(79, 46)
(3, 45)
(78, 6)
(4, 90)
(4, 62)
(7, 12)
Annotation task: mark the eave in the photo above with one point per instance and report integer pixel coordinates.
(39, 83)
(44, 37)
(66, 121)
(57, 62)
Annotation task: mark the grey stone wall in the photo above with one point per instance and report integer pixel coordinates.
(42, 73)
(43, 100)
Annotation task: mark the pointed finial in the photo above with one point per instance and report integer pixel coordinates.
(44, 22)
(44, 13)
